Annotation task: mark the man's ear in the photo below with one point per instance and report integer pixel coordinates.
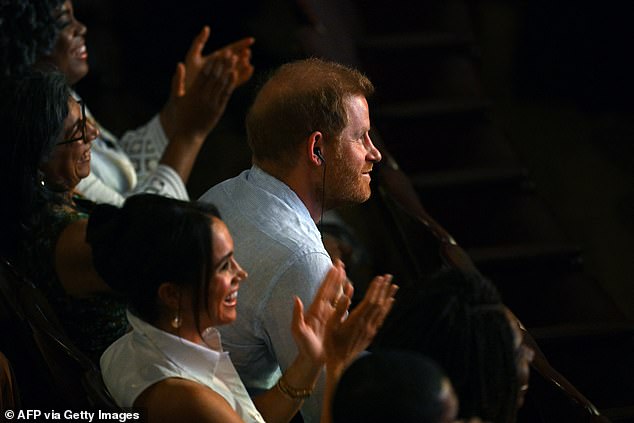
(169, 295)
(314, 145)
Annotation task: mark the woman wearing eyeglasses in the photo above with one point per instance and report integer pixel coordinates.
(69, 162)
(157, 157)
(45, 152)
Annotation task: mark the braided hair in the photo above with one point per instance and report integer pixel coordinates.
(460, 321)
(28, 29)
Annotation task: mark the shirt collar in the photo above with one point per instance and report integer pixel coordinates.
(274, 186)
(197, 360)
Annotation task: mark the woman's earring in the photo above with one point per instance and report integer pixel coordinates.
(177, 321)
(40, 177)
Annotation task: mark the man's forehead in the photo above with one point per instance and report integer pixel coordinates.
(357, 110)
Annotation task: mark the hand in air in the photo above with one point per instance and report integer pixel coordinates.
(202, 86)
(347, 336)
(195, 61)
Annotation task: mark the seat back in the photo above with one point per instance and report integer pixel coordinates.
(9, 395)
(37, 389)
(71, 374)
(65, 362)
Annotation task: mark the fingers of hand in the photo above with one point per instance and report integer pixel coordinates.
(379, 289)
(240, 45)
(331, 288)
(198, 44)
(348, 289)
(178, 81)
(378, 301)
(341, 308)
(219, 79)
(298, 314)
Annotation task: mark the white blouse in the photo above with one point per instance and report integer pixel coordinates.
(130, 165)
(147, 355)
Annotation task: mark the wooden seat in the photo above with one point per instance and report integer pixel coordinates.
(69, 373)
(36, 385)
(9, 395)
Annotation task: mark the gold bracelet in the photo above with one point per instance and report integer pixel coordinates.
(292, 393)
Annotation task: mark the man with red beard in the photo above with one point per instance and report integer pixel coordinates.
(308, 130)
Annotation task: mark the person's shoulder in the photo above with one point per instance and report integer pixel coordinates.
(219, 190)
(130, 365)
(214, 191)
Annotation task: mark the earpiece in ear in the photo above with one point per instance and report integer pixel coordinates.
(317, 152)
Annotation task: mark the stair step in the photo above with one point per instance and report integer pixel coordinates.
(598, 361)
(543, 296)
(453, 182)
(478, 219)
(418, 40)
(514, 255)
(619, 414)
(586, 331)
(443, 135)
(437, 73)
(391, 16)
(431, 108)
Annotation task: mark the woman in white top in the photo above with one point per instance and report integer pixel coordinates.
(183, 282)
(157, 157)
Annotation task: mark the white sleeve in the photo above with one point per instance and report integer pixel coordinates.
(162, 181)
(145, 146)
(95, 190)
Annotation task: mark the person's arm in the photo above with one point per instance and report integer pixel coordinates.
(187, 119)
(325, 334)
(301, 278)
(195, 60)
(200, 90)
(73, 262)
(162, 181)
(181, 401)
(281, 403)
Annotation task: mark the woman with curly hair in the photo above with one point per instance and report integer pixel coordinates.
(157, 157)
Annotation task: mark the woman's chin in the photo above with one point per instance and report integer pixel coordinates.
(77, 72)
(228, 317)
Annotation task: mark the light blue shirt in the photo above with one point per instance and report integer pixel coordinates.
(278, 243)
